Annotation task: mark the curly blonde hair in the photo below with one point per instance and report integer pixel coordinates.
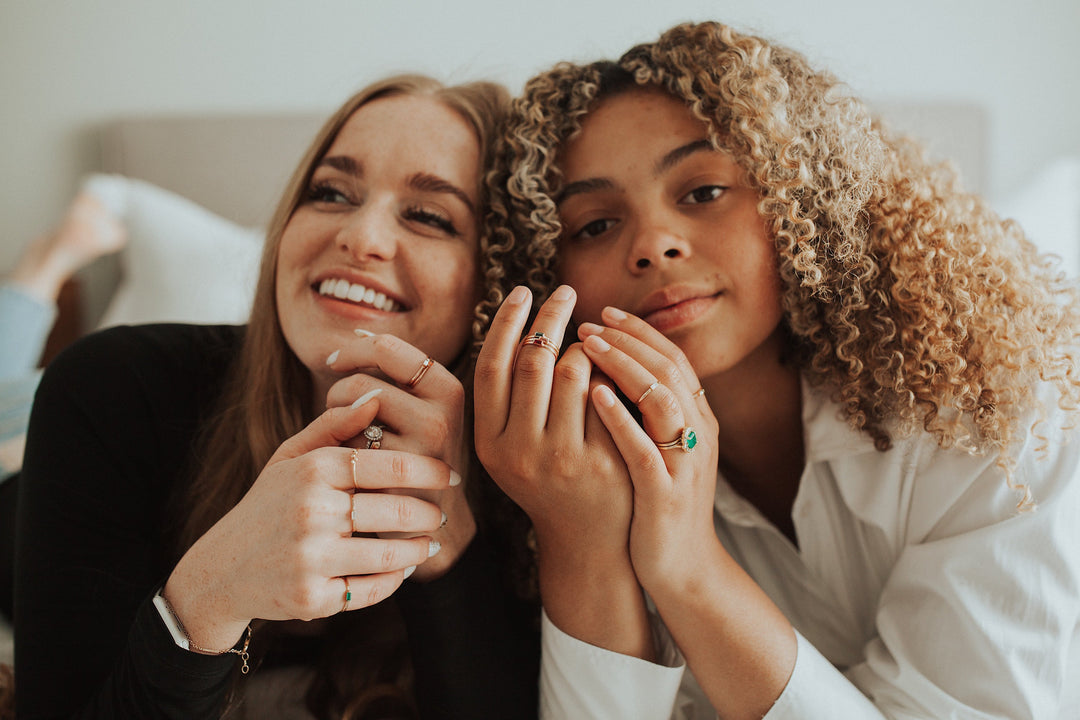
(904, 296)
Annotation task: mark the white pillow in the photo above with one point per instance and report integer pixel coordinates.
(1048, 208)
(182, 263)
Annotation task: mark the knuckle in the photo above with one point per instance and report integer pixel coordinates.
(532, 366)
(401, 468)
(388, 556)
(668, 404)
(572, 372)
(403, 511)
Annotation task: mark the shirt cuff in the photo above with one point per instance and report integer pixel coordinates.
(25, 323)
(580, 680)
(817, 690)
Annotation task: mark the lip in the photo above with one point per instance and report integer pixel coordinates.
(676, 305)
(354, 278)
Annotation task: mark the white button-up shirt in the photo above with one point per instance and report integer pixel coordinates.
(917, 590)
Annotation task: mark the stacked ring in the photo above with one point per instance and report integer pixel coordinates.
(348, 596)
(420, 372)
(373, 434)
(686, 441)
(539, 339)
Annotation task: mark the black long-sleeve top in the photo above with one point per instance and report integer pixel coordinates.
(110, 441)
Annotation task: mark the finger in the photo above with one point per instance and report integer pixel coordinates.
(332, 428)
(385, 469)
(372, 555)
(494, 365)
(570, 396)
(405, 365)
(534, 365)
(363, 590)
(384, 512)
(652, 348)
(644, 461)
(661, 410)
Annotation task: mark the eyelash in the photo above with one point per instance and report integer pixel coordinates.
(721, 188)
(324, 192)
(419, 214)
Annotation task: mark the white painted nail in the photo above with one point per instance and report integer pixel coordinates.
(409, 571)
(364, 333)
(364, 398)
(333, 357)
(442, 524)
(455, 479)
(433, 547)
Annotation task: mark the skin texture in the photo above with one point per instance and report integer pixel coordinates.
(676, 283)
(390, 207)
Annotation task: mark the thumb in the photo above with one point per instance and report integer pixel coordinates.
(332, 428)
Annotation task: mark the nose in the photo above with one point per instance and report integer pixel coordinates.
(369, 233)
(656, 242)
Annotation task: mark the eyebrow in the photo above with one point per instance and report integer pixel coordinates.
(665, 163)
(424, 182)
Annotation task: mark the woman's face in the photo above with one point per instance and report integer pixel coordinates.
(385, 238)
(658, 223)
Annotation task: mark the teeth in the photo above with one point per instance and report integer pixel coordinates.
(344, 290)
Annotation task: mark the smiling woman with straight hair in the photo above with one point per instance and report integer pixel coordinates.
(208, 509)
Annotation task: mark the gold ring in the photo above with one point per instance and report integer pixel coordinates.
(373, 434)
(539, 339)
(352, 511)
(348, 596)
(648, 390)
(686, 441)
(700, 392)
(420, 372)
(352, 463)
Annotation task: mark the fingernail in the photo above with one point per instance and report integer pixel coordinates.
(364, 398)
(604, 396)
(443, 523)
(518, 295)
(409, 571)
(333, 357)
(433, 547)
(563, 292)
(364, 333)
(597, 343)
(455, 479)
(586, 329)
(615, 314)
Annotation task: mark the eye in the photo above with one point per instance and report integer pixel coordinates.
(325, 193)
(424, 216)
(593, 229)
(703, 194)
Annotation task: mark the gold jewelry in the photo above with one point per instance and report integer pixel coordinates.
(700, 392)
(352, 463)
(348, 596)
(686, 441)
(539, 339)
(352, 511)
(180, 636)
(648, 390)
(373, 434)
(420, 372)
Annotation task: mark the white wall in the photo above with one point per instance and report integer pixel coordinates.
(68, 65)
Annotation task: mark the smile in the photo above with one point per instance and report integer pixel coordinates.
(358, 294)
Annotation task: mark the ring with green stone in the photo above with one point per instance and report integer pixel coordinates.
(686, 441)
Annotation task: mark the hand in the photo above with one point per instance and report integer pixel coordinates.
(672, 530)
(545, 446)
(426, 419)
(286, 549)
(537, 435)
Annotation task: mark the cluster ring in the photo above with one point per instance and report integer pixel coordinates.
(373, 434)
(686, 441)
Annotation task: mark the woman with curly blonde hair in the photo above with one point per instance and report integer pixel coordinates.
(847, 384)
